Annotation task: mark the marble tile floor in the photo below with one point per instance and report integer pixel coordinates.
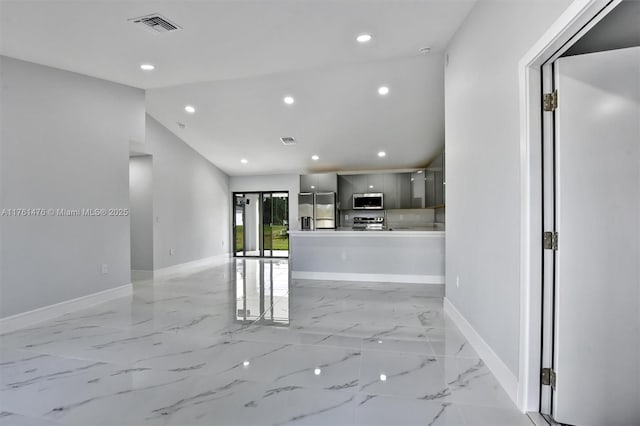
(239, 344)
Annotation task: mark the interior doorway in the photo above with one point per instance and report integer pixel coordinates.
(261, 224)
(141, 216)
(594, 224)
(580, 297)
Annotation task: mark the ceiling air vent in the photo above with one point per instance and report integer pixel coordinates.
(156, 23)
(288, 140)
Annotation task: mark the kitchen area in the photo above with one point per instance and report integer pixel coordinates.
(383, 226)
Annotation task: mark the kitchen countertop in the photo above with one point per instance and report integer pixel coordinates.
(396, 232)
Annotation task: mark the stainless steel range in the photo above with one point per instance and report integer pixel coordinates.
(364, 223)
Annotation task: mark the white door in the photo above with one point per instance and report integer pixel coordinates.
(597, 316)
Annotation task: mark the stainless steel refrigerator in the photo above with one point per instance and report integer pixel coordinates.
(325, 210)
(305, 211)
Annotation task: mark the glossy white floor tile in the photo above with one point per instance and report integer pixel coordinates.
(239, 344)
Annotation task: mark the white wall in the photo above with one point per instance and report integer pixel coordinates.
(483, 164)
(141, 212)
(64, 144)
(289, 183)
(191, 204)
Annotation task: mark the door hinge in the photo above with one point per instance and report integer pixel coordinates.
(550, 241)
(550, 101)
(548, 378)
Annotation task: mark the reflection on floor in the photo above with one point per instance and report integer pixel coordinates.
(185, 351)
(262, 291)
(267, 253)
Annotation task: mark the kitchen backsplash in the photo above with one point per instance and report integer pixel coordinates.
(396, 218)
(346, 216)
(410, 218)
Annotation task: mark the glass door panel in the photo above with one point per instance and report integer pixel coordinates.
(280, 224)
(267, 225)
(260, 224)
(238, 224)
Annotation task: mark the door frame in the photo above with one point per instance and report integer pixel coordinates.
(580, 17)
(260, 223)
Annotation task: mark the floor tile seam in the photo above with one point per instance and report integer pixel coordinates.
(30, 415)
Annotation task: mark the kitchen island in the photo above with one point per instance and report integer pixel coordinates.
(399, 255)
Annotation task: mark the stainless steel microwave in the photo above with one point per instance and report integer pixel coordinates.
(371, 201)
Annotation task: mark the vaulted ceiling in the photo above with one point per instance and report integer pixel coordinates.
(235, 60)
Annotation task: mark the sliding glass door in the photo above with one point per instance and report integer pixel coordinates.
(260, 224)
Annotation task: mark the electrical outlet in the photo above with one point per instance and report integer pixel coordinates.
(105, 269)
(457, 281)
(171, 251)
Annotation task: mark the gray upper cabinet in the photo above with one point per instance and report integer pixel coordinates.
(404, 190)
(434, 183)
(327, 182)
(345, 192)
(418, 189)
(319, 182)
(396, 188)
(390, 189)
(375, 183)
(307, 182)
(359, 184)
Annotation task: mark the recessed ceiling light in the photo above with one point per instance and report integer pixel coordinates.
(315, 157)
(313, 187)
(364, 38)
(382, 154)
(190, 109)
(289, 100)
(147, 67)
(370, 186)
(383, 90)
(419, 172)
(244, 161)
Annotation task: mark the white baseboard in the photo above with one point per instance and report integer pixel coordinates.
(386, 278)
(191, 266)
(141, 275)
(499, 369)
(26, 319)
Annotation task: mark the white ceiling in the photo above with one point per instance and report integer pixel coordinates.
(338, 115)
(246, 55)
